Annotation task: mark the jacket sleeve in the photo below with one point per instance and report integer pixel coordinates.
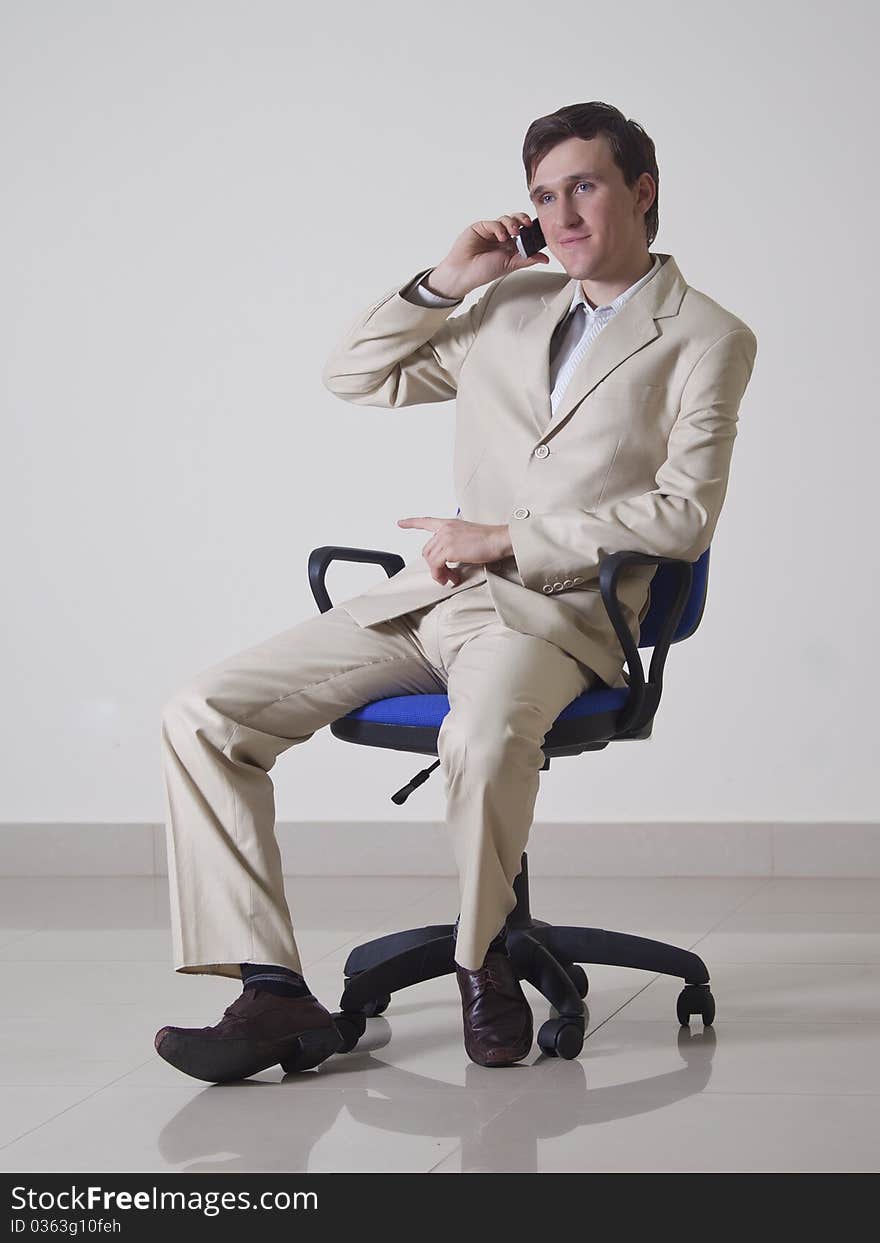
(675, 519)
(401, 352)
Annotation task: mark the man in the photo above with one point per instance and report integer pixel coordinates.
(596, 411)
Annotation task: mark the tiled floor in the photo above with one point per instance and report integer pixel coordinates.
(787, 1080)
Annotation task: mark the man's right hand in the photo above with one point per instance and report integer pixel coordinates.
(483, 252)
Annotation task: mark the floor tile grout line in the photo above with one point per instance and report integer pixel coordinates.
(132, 1071)
(661, 975)
(763, 881)
(73, 1105)
(46, 1121)
(592, 1030)
(484, 1122)
(705, 1092)
(730, 913)
(356, 940)
(364, 932)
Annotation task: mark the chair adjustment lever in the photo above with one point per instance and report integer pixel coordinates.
(419, 779)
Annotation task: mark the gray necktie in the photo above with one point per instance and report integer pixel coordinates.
(568, 333)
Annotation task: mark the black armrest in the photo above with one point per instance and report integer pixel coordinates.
(321, 557)
(643, 699)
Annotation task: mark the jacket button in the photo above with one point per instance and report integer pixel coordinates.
(575, 581)
(569, 582)
(520, 513)
(547, 588)
(557, 586)
(542, 451)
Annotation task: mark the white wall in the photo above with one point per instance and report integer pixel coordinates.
(200, 197)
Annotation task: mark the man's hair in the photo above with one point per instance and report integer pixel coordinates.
(631, 147)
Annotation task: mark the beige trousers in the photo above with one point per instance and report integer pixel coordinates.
(223, 730)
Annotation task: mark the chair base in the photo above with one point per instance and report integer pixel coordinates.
(546, 955)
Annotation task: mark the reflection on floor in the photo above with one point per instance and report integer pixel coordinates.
(795, 969)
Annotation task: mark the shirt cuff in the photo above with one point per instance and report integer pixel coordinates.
(416, 293)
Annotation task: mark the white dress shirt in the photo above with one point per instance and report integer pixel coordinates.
(575, 334)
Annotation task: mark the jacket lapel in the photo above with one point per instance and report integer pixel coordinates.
(628, 331)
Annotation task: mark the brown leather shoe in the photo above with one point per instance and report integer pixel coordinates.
(257, 1031)
(497, 1017)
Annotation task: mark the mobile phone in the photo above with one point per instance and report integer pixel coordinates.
(530, 240)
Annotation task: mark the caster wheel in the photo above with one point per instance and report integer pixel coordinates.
(561, 1038)
(377, 1005)
(351, 1025)
(695, 999)
(578, 977)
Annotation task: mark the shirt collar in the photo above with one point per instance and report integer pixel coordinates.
(620, 299)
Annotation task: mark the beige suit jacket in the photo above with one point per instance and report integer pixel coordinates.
(636, 457)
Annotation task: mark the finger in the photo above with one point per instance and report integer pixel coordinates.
(499, 228)
(429, 552)
(425, 524)
(511, 229)
(437, 564)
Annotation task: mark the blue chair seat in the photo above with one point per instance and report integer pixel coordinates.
(412, 723)
(429, 710)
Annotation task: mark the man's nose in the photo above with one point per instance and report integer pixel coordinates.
(568, 220)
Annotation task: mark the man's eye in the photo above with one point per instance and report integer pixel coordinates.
(580, 183)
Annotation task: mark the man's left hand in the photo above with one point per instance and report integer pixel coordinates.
(455, 540)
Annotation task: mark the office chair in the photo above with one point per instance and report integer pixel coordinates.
(546, 955)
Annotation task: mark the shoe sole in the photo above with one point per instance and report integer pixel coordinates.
(506, 1058)
(313, 1048)
(222, 1061)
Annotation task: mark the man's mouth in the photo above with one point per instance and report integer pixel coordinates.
(575, 240)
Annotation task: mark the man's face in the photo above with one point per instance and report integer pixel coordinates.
(570, 204)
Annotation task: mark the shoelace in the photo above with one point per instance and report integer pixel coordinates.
(488, 976)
